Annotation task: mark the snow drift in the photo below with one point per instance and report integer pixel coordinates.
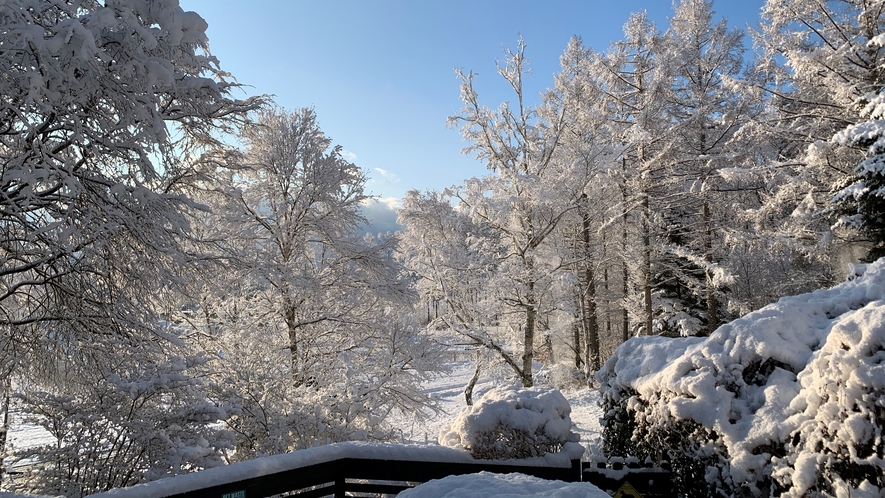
(488, 485)
(789, 399)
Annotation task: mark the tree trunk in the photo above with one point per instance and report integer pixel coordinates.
(591, 326)
(646, 265)
(625, 275)
(292, 328)
(468, 391)
(592, 338)
(548, 345)
(712, 307)
(4, 431)
(607, 313)
(625, 315)
(578, 317)
(585, 324)
(576, 330)
(529, 337)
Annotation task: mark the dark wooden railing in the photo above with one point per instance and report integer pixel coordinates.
(650, 481)
(337, 477)
(330, 471)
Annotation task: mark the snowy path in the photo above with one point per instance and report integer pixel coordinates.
(23, 435)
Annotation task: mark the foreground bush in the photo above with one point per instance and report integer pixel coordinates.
(788, 400)
(510, 422)
(116, 430)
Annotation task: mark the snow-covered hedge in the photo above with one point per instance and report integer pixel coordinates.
(787, 400)
(510, 422)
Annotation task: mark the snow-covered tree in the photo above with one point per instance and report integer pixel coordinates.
(589, 156)
(455, 259)
(861, 204)
(101, 105)
(526, 197)
(308, 326)
(633, 79)
(704, 114)
(293, 213)
(820, 68)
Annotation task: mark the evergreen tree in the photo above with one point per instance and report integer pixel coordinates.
(861, 204)
(821, 69)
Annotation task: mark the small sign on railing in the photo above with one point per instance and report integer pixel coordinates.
(235, 494)
(627, 491)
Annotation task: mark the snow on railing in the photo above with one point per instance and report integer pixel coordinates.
(242, 476)
(336, 469)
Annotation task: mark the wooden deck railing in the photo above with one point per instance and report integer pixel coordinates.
(378, 469)
(337, 477)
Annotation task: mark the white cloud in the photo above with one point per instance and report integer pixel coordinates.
(387, 176)
(348, 155)
(391, 202)
(381, 214)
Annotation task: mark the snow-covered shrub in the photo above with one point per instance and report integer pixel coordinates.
(511, 422)
(691, 449)
(118, 430)
(348, 395)
(788, 399)
(296, 418)
(839, 414)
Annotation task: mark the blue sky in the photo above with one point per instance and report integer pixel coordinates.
(380, 73)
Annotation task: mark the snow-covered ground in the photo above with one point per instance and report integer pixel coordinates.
(448, 389)
(26, 435)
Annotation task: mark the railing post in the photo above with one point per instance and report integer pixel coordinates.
(341, 478)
